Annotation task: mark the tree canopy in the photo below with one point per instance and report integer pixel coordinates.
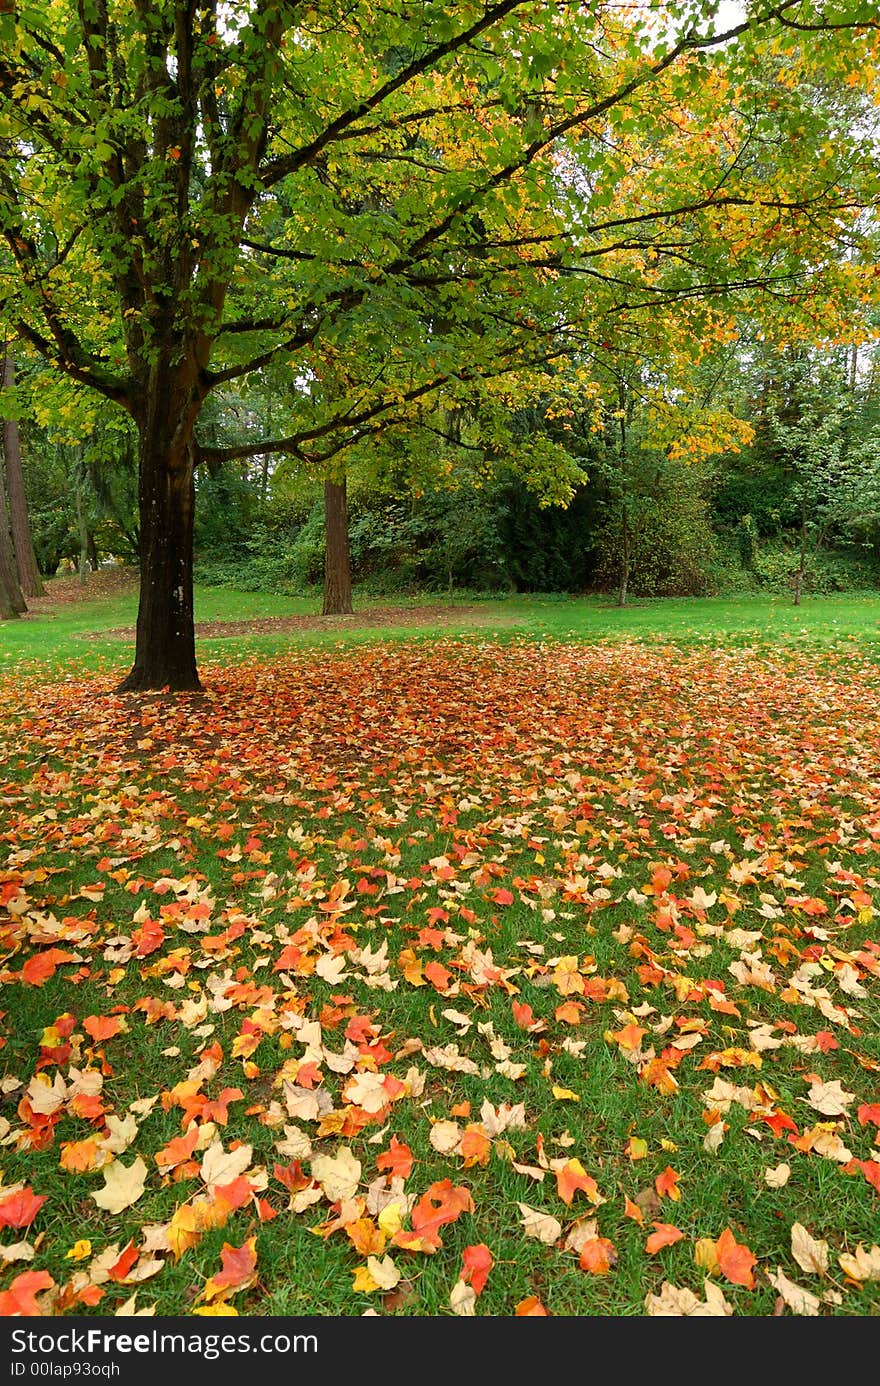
(405, 207)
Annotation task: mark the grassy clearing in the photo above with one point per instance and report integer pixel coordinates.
(625, 893)
(62, 634)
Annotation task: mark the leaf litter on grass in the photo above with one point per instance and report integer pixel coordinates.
(512, 979)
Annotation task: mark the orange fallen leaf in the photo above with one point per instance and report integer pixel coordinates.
(735, 1260)
(665, 1234)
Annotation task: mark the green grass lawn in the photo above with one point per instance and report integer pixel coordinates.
(397, 954)
(58, 634)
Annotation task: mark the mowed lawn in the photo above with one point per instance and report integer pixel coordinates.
(528, 966)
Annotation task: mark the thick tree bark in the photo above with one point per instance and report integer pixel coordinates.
(7, 611)
(337, 555)
(11, 596)
(26, 559)
(165, 653)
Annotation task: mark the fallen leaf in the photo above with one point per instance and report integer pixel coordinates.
(123, 1185)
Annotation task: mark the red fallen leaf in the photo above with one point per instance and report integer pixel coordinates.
(20, 1209)
(102, 1027)
(119, 1270)
(523, 1014)
(735, 1260)
(870, 1169)
(438, 1205)
(397, 1159)
(476, 1264)
(530, 1308)
(41, 966)
(665, 1235)
(239, 1264)
(826, 1041)
(597, 1256)
(20, 1299)
(869, 1112)
(571, 1177)
(265, 1210)
(666, 1184)
(292, 1176)
(501, 896)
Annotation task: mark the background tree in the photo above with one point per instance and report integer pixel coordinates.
(148, 147)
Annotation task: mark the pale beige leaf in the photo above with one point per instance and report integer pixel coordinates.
(123, 1185)
(448, 1056)
(296, 1144)
(367, 1090)
(331, 968)
(16, 1251)
(122, 1132)
(810, 1254)
(799, 1300)
(675, 1302)
(540, 1225)
(445, 1136)
(221, 1166)
(862, 1264)
(583, 1230)
(384, 1272)
(506, 1117)
(306, 1104)
(463, 1299)
(338, 1175)
(830, 1098)
(129, 1309)
(44, 1097)
(776, 1178)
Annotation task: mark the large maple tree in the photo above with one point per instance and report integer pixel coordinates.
(391, 197)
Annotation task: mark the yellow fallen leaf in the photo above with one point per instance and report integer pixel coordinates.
(564, 1094)
(79, 1251)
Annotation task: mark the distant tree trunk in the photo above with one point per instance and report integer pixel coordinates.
(625, 559)
(802, 557)
(28, 572)
(337, 555)
(12, 599)
(83, 531)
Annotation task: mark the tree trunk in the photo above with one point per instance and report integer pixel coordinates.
(624, 563)
(82, 529)
(337, 556)
(26, 560)
(7, 610)
(11, 596)
(802, 558)
(165, 650)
